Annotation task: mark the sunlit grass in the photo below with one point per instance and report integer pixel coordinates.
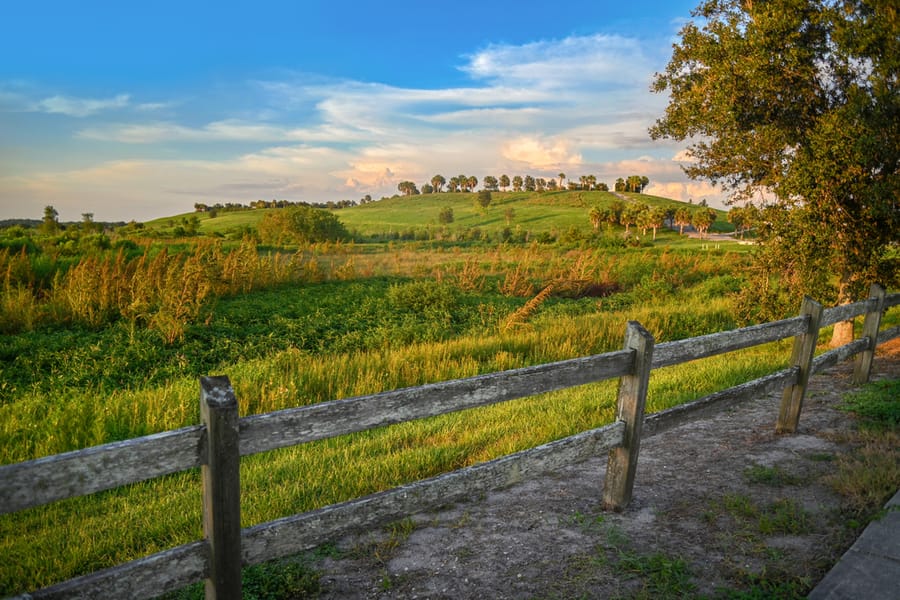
(294, 346)
(89, 533)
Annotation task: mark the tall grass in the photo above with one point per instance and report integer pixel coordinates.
(673, 294)
(166, 291)
(88, 533)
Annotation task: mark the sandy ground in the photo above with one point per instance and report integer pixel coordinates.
(696, 510)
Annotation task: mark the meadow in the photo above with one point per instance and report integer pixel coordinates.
(407, 301)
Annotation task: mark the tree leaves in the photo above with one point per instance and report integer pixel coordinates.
(794, 104)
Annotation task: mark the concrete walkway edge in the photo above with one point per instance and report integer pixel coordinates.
(871, 567)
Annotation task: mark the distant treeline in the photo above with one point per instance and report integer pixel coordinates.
(34, 223)
(236, 206)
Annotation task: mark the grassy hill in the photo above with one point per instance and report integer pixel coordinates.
(536, 213)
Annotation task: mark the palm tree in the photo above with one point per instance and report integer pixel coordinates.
(616, 207)
(504, 182)
(703, 219)
(472, 182)
(682, 218)
(438, 182)
(561, 177)
(596, 216)
(657, 218)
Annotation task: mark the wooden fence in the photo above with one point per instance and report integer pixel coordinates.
(216, 446)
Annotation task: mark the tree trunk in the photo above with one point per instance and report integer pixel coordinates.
(843, 334)
(843, 330)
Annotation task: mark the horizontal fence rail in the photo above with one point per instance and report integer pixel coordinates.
(217, 445)
(260, 433)
(709, 405)
(704, 346)
(99, 468)
(301, 532)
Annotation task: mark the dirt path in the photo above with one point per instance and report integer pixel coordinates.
(717, 502)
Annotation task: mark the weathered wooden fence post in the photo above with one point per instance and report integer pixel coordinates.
(221, 488)
(802, 356)
(870, 330)
(621, 465)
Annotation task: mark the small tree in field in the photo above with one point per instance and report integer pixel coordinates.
(656, 218)
(301, 224)
(596, 215)
(446, 215)
(484, 199)
(50, 223)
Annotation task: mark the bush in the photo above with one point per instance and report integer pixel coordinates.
(446, 215)
(301, 225)
(428, 299)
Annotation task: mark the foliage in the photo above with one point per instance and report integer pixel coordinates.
(162, 290)
(484, 199)
(301, 225)
(446, 215)
(794, 104)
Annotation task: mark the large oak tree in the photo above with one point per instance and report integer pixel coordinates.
(794, 106)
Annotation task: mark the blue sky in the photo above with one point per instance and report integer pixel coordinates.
(136, 110)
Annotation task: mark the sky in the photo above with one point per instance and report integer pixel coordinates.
(139, 110)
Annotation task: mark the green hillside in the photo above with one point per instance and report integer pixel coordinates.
(532, 212)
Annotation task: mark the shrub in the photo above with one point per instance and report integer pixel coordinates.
(428, 299)
(301, 224)
(446, 215)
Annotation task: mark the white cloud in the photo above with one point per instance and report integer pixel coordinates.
(687, 191)
(580, 105)
(577, 61)
(154, 132)
(540, 154)
(683, 155)
(80, 107)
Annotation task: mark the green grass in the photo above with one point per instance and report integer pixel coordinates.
(876, 405)
(554, 212)
(661, 576)
(869, 475)
(111, 527)
(67, 388)
(773, 476)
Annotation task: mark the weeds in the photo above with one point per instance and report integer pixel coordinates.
(521, 316)
(876, 405)
(773, 476)
(283, 579)
(783, 516)
(662, 576)
(868, 475)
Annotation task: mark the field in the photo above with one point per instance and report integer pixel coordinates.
(408, 301)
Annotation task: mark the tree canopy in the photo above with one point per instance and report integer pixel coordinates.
(794, 106)
(301, 224)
